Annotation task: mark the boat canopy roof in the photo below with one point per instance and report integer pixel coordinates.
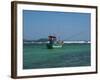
(51, 36)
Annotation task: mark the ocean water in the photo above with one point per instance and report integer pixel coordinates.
(70, 55)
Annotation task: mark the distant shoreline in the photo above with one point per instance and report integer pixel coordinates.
(65, 42)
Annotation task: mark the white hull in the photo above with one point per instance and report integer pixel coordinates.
(57, 46)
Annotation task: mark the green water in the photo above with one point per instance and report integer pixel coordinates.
(70, 55)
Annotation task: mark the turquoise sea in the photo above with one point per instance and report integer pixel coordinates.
(70, 55)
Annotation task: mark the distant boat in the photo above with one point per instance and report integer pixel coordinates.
(54, 43)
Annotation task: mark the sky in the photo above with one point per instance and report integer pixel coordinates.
(63, 25)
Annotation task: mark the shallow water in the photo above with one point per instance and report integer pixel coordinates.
(70, 55)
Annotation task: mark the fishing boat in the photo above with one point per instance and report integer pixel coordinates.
(54, 43)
